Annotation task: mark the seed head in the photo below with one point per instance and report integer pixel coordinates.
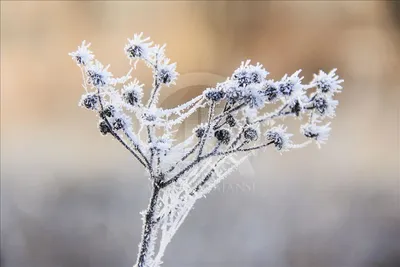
(223, 135)
(250, 134)
(118, 124)
(109, 112)
(89, 101)
(104, 128)
(230, 120)
(214, 95)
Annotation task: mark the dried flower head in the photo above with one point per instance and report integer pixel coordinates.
(254, 97)
(223, 136)
(324, 105)
(167, 73)
(248, 74)
(230, 120)
(83, 55)
(132, 93)
(233, 92)
(279, 137)
(250, 134)
(199, 131)
(97, 75)
(108, 111)
(214, 94)
(291, 85)
(319, 133)
(327, 83)
(139, 48)
(104, 128)
(270, 91)
(89, 101)
(118, 124)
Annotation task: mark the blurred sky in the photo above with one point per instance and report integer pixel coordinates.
(52, 155)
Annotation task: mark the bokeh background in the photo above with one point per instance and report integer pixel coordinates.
(72, 198)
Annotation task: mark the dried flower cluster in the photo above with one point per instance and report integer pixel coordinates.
(237, 125)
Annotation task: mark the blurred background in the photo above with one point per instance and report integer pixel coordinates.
(70, 197)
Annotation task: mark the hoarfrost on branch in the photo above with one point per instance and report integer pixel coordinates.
(242, 111)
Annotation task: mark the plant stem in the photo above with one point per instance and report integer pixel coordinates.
(116, 136)
(205, 135)
(148, 229)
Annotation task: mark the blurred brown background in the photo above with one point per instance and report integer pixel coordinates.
(70, 197)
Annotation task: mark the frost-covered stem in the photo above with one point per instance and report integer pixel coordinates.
(137, 147)
(224, 154)
(215, 149)
(146, 248)
(205, 135)
(150, 141)
(207, 177)
(185, 156)
(116, 136)
(238, 136)
(158, 164)
(243, 144)
(229, 111)
(243, 149)
(177, 176)
(274, 115)
(153, 95)
(190, 166)
(187, 168)
(216, 126)
(203, 182)
(156, 84)
(252, 148)
(219, 118)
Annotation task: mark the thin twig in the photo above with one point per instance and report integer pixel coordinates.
(205, 135)
(116, 136)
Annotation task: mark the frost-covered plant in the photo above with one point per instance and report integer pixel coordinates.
(237, 125)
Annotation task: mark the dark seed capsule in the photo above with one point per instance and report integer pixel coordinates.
(233, 95)
(255, 77)
(118, 124)
(200, 132)
(95, 78)
(271, 92)
(310, 134)
(164, 76)
(79, 60)
(90, 101)
(215, 95)
(320, 104)
(109, 111)
(230, 120)
(130, 97)
(135, 51)
(324, 86)
(286, 88)
(223, 135)
(296, 108)
(103, 127)
(250, 134)
(243, 78)
(276, 139)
